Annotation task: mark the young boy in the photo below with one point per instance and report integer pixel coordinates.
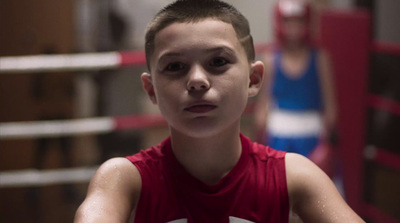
(202, 70)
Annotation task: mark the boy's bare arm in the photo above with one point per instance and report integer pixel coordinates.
(112, 195)
(312, 194)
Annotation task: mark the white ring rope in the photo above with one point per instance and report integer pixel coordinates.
(33, 177)
(61, 62)
(35, 129)
(17, 130)
(76, 62)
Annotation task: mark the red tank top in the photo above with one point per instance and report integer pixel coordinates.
(254, 190)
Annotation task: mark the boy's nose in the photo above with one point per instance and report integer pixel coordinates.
(198, 80)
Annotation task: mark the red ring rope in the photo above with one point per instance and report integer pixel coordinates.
(385, 104)
(376, 214)
(386, 47)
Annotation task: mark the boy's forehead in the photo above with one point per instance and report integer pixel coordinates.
(211, 22)
(204, 29)
(193, 39)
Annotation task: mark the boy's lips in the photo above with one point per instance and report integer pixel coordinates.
(200, 107)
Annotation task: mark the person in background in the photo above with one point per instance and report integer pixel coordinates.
(296, 109)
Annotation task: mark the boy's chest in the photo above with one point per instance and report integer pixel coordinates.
(249, 200)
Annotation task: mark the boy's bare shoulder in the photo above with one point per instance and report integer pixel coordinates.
(297, 162)
(113, 193)
(119, 170)
(306, 180)
(118, 163)
(299, 170)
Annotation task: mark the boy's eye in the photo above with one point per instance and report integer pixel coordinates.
(218, 62)
(175, 67)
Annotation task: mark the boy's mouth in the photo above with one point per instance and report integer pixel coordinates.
(200, 107)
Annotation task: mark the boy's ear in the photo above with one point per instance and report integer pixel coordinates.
(148, 86)
(256, 78)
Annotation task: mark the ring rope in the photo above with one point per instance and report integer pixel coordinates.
(32, 129)
(386, 47)
(97, 61)
(35, 129)
(377, 215)
(34, 177)
(70, 62)
(78, 62)
(382, 156)
(385, 104)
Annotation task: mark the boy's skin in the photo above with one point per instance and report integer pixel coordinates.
(201, 80)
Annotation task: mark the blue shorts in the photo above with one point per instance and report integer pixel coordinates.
(300, 145)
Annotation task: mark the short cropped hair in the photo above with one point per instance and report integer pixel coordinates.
(191, 11)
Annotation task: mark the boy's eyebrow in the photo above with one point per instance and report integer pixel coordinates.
(208, 50)
(168, 54)
(221, 48)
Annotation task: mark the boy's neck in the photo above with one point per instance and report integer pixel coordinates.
(294, 47)
(208, 159)
(295, 51)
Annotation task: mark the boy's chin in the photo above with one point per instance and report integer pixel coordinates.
(202, 130)
(199, 132)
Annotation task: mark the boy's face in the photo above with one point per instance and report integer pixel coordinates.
(294, 28)
(201, 77)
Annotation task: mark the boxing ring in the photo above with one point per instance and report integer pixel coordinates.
(352, 161)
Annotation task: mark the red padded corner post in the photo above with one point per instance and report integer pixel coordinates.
(346, 35)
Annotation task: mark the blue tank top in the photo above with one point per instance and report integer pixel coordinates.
(299, 93)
